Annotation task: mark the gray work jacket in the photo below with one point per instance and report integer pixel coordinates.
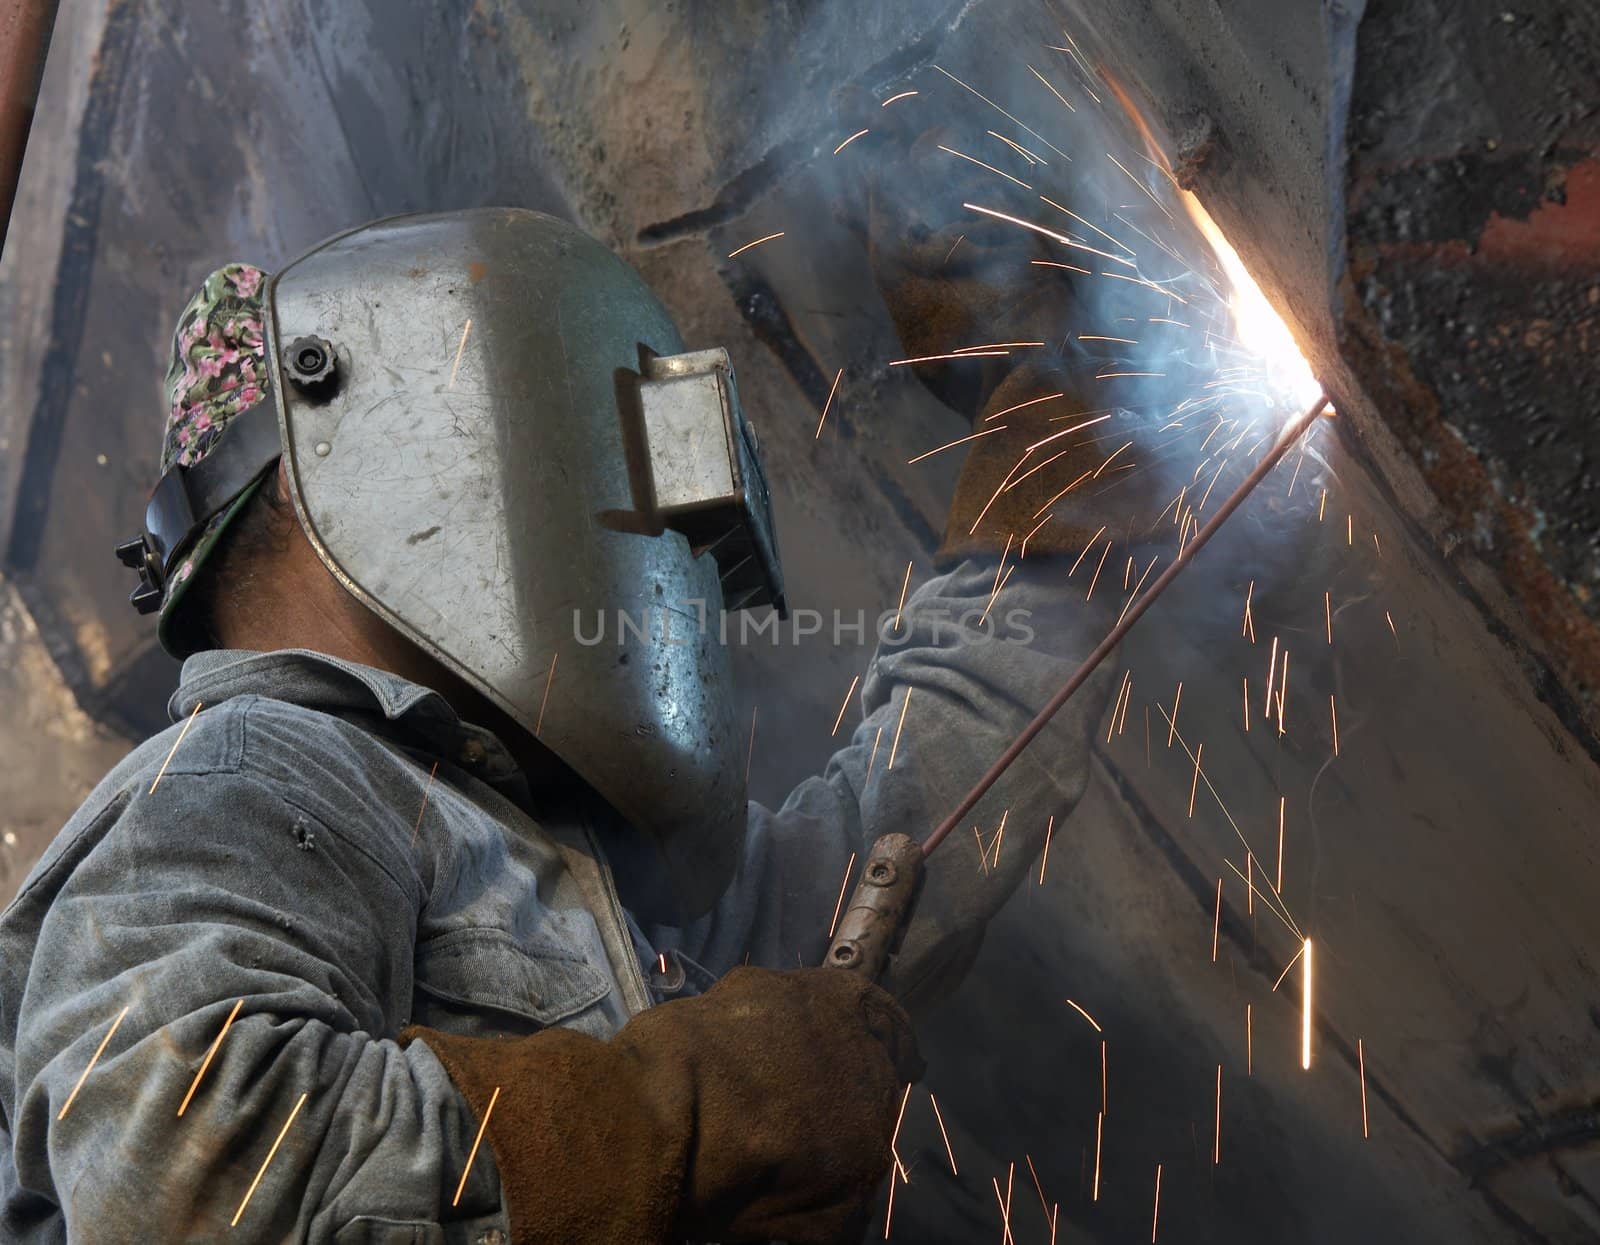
(296, 883)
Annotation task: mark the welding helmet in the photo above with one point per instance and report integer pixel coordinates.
(495, 441)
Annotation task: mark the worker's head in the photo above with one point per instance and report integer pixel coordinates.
(477, 431)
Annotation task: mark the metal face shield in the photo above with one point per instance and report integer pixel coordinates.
(493, 438)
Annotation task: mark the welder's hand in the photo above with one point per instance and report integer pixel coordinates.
(1060, 459)
(762, 1109)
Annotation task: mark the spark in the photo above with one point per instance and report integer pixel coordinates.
(175, 744)
(1051, 89)
(1247, 704)
(741, 250)
(1051, 263)
(1043, 1202)
(993, 346)
(1281, 805)
(1029, 156)
(829, 403)
(1305, 1009)
(1327, 611)
(1030, 402)
(1216, 923)
(1005, 1207)
(1022, 550)
(1148, 284)
(998, 588)
(1086, 549)
(476, 1141)
(1127, 678)
(1026, 224)
(849, 140)
(1194, 785)
(1099, 1130)
(1333, 713)
(545, 699)
(1065, 432)
(999, 835)
(1123, 722)
(1216, 1139)
(1093, 337)
(951, 1154)
(1249, 1044)
(1005, 114)
(1045, 859)
(895, 746)
(1361, 1058)
(265, 1162)
(892, 98)
(1115, 375)
(84, 1075)
(425, 790)
(1173, 728)
(1078, 1007)
(1155, 1215)
(953, 245)
(1283, 689)
(751, 751)
(839, 907)
(954, 354)
(1140, 185)
(460, 346)
(1287, 967)
(1097, 571)
(1102, 1076)
(952, 444)
(843, 706)
(888, 1217)
(1376, 545)
(206, 1062)
(903, 587)
(1349, 529)
(1323, 506)
(1062, 494)
(1392, 631)
(1298, 463)
(1249, 883)
(973, 159)
(900, 1119)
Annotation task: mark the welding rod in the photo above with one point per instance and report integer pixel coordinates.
(882, 900)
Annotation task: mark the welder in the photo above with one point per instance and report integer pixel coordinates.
(433, 919)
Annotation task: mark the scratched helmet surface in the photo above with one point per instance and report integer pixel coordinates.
(463, 455)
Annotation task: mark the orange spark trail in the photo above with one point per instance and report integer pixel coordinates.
(1102, 1076)
(1305, 1008)
(1077, 1007)
(420, 811)
(206, 1063)
(1249, 1044)
(954, 354)
(1194, 785)
(1361, 1056)
(843, 706)
(1086, 549)
(1333, 713)
(1216, 923)
(1283, 690)
(84, 1075)
(461, 346)
(1004, 113)
(952, 444)
(1045, 859)
(1216, 1140)
(1043, 1201)
(741, 250)
(1249, 592)
(1099, 1129)
(1172, 729)
(953, 152)
(545, 699)
(892, 98)
(876, 740)
(476, 1141)
(903, 586)
(1279, 886)
(1005, 1209)
(1050, 88)
(828, 404)
(265, 1162)
(839, 907)
(1030, 402)
(1327, 610)
(1127, 678)
(1272, 670)
(751, 751)
(848, 141)
(948, 1151)
(1096, 578)
(1155, 1215)
(1247, 704)
(1322, 508)
(895, 747)
(175, 744)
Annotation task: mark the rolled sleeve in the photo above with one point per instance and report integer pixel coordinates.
(176, 906)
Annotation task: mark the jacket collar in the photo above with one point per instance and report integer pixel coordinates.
(344, 689)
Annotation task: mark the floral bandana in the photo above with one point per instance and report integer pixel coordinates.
(218, 370)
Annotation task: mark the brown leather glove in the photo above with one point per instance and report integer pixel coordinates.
(1070, 461)
(762, 1109)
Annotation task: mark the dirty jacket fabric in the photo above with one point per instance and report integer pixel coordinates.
(239, 923)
